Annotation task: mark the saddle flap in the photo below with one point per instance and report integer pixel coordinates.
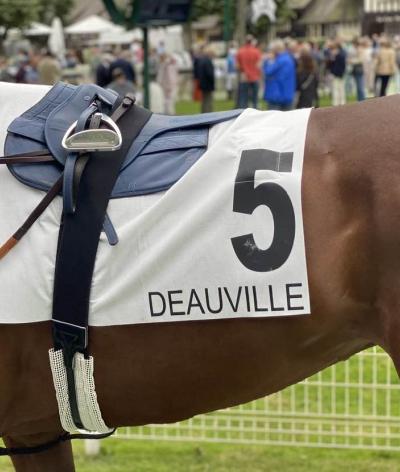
(31, 124)
(155, 172)
(176, 132)
(183, 139)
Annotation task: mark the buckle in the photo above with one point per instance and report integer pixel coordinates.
(70, 338)
(128, 100)
(97, 139)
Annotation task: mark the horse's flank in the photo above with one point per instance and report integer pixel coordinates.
(168, 372)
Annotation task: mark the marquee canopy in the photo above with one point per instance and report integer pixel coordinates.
(92, 25)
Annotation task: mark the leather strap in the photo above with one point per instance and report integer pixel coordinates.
(73, 171)
(25, 227)
(18, 451)
(28, 157)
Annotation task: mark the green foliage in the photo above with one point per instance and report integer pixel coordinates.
(208, 7)
(51, 8)
(283, 14)
(19, 13)
(283, 11)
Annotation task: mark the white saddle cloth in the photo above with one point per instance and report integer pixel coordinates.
(175, 249)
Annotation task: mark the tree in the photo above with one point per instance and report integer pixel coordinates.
(283, 14)
(18, 13)
(52, 8)
(209, 7)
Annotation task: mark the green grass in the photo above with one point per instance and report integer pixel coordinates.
(186, 107)
(146, 456)
(163, 457)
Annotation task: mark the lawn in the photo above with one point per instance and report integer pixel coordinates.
(185, 107)
(146, 456)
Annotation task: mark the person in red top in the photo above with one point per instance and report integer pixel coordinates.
(249, 65)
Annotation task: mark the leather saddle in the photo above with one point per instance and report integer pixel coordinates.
(165, 149)
(148, 153)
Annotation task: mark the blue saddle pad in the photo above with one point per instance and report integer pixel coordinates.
(163, 152)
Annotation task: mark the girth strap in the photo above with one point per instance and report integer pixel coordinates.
(78, 242)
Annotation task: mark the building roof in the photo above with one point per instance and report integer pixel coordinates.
(298, 4)
(334, 11)
(206, 22)
(82, 10)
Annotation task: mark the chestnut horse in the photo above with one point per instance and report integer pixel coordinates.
(168, 372)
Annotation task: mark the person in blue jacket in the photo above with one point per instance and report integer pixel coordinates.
(280, 78)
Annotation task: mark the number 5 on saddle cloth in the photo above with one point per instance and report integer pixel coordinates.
(90, 145)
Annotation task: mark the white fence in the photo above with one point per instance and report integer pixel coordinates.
(355, 404)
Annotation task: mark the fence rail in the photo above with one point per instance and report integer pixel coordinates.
(354, 404)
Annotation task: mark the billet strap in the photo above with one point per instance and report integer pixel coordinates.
(78, 242)
(19, 451)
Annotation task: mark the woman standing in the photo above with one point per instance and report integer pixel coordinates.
(385, 64)
(307, 81)
(167, 77)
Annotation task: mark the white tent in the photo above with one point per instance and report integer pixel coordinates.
(92, 25)
(171, 36)
(120, 37)
(37, 29)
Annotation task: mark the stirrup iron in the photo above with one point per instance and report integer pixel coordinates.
(100, 139)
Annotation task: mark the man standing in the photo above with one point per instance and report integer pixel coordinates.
(123, 62)
(337, 67)
(280, 78)
(206, 77)
(49, 69)
(231, 71)
(102, 73)
(248, 62)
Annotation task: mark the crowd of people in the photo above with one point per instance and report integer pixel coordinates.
(286, 73)
(294, 72)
